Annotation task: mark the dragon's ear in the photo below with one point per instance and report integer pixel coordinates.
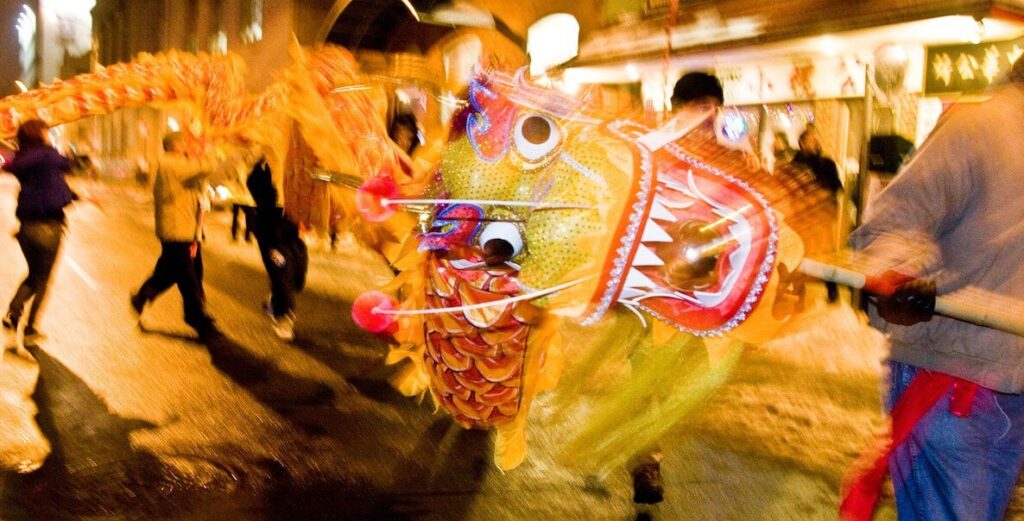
(488, 125)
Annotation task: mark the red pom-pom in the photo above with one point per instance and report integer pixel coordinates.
(370, 198)
(364, 311)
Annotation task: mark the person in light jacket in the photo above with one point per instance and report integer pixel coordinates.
(952, 220)
(180, 203)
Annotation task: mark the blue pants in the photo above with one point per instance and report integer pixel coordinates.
(953, 468)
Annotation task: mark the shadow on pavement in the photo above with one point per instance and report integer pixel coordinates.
(428, 485)
(260, 377)
(93, 470)
(413, 464)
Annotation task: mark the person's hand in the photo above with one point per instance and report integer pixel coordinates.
(790, 294)
(911, 301)
(277, 258)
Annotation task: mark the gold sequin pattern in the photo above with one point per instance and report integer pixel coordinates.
(587, 168)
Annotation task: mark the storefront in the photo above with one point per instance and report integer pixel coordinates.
(853, 84)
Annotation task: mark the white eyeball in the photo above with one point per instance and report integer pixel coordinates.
(501, 242)
(536, 136)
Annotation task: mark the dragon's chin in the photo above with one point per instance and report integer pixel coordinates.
(475, 357)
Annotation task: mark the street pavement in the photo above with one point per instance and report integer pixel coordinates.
(110, 419)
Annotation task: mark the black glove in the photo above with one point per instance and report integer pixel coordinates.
(913, 301)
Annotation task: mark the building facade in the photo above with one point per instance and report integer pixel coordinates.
(260, 31)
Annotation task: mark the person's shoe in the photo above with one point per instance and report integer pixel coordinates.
(138, 303)
(10, 323)
(647, 488)
(209, 332)
(32, 336)
(284, 326)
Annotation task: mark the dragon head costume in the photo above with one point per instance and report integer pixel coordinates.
(545, 210)
(540, 210)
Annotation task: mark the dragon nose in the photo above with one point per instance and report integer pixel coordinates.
(497, 251)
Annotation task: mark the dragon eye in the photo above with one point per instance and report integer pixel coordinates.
(501, 242)
(536, 136)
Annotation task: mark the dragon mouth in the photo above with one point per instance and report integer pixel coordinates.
(696, 246)
(701, 264)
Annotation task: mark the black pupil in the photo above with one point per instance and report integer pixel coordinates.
(497, 251)
(536, 130)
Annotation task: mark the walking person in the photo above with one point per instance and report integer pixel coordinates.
(242, 207)
(811, 156)
(241, 203)
(695, 97)
(782, 153)
(180, 203)
(826, 175)
(44, 194)
(284, 254)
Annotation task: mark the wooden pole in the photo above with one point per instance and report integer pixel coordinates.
(950, 305)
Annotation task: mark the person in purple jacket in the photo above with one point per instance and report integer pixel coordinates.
(44, 194)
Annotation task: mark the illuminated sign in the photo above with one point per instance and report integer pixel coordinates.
(955, 69)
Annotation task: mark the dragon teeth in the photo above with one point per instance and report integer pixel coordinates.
(631, 293)
(654, 233)
(645, 257)
(635, 279)
(658, 211)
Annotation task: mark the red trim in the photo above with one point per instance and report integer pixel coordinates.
(863, 483)
(885, 285)
(616, 241)
(642, 223)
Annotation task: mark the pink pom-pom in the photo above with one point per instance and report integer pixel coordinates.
(370, 198)
(365, 311)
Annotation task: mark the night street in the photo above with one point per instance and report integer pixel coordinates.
(518, 261)
(149, 423)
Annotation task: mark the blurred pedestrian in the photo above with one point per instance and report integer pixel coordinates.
(953, 216)
(781, 150)
(695, 97)
(44, 194)
(405, 133)
(697, 89)
(247, 213)
(284, 253)
(811, 156)
(241, 204)
(826, 175)
(180, 204)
